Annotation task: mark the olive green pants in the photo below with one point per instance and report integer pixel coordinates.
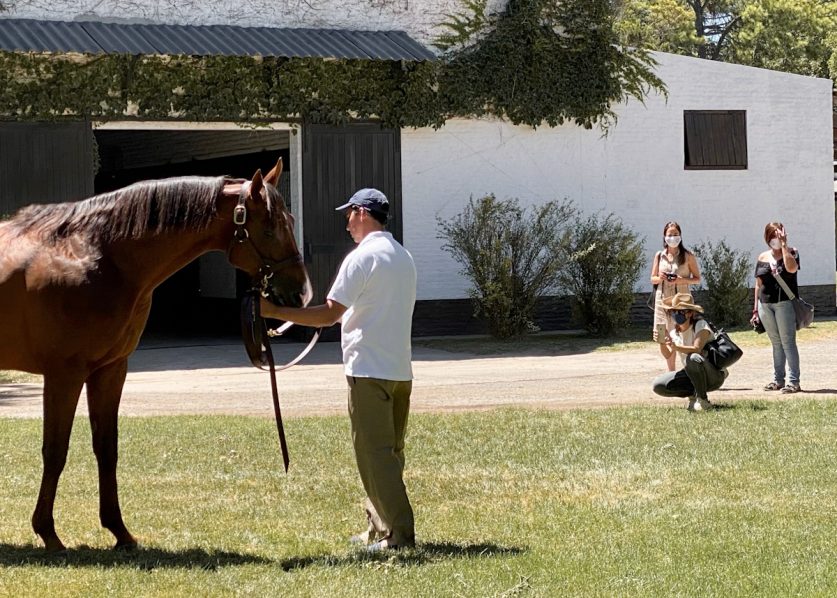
(378, 411)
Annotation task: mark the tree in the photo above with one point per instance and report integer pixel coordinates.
(789, 35)
(699, 28)
(664, 25)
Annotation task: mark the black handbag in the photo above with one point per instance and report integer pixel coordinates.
(804, 313)
(721, 351)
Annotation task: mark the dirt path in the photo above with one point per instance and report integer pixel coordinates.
(214, 378)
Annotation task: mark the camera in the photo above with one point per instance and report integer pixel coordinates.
(671, 276)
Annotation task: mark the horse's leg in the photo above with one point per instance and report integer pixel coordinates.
(61, 392)
(104, 390)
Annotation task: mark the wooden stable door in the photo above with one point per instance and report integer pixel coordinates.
(337, 161)
(44, 163)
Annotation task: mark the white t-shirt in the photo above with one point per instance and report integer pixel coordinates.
(687, 337)
(377, 284)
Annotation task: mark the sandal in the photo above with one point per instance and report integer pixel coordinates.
(791, 389)
(773, 386)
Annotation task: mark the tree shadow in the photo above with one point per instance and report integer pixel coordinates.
(556, 343)
(424, 553)
(820, 391)
(144, 559)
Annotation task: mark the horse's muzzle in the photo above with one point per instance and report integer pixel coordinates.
(286, 292)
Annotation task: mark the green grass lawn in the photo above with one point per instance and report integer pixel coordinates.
(640, 501)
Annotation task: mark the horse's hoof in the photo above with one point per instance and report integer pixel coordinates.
(54, 545)
(126, 545)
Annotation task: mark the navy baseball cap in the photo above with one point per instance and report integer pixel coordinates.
(370, 199)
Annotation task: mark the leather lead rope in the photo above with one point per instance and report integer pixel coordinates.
(280, 428)
(276, 409)
(305, 351)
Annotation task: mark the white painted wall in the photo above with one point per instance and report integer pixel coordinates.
(637, 171)
(420, 19)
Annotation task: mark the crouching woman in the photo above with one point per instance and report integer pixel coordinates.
(691, 332)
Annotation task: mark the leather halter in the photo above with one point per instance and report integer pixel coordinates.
(241, 236)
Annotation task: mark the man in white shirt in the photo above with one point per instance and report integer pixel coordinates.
(373, 297)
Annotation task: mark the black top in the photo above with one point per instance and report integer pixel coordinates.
(770, 291)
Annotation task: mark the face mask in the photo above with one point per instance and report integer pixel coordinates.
(775, 244)
(673, 241)
(680, 318)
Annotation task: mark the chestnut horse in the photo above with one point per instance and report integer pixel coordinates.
(75, 290)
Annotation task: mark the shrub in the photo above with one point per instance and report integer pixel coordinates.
(604, 264)
(511, 256)
(724, 272)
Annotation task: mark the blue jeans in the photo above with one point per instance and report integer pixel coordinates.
(779, 321)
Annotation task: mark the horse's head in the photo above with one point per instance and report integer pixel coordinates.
(263, 241)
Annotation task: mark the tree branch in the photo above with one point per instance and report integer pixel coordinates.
(726, 31)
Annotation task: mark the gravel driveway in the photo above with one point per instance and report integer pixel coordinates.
(214, 377)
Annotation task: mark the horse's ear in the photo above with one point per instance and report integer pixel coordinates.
(256, 185)
(273, 176)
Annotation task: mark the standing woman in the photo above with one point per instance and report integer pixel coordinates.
(775, 309)
(674, 269)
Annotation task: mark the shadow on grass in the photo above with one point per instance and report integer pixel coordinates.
(548, 344)
(422, 554)
(144, 559)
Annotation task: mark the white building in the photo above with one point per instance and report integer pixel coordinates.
(638, 170)
(641, 171)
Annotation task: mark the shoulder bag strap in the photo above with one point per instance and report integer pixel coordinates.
(657, 257)
(782, 284)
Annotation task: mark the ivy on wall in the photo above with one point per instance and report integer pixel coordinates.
(519, 68)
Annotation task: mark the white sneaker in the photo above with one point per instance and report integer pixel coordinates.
(702, 405)
(692, 403)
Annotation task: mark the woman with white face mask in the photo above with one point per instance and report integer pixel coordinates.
(774, 308)
(673, 270)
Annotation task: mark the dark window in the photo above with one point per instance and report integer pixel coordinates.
(715, 139)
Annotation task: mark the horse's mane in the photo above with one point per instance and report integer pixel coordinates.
(132, 212)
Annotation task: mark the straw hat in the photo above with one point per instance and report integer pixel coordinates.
(681, 301)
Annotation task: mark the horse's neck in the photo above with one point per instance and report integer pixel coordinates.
(154, 258)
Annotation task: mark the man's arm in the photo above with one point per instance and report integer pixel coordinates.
(318, 316)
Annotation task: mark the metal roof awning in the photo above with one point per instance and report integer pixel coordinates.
(97, 37)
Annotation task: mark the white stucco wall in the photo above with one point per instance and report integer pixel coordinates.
(637, 171)
(419, 19)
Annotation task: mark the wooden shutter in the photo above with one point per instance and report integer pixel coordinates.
(715, 139)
